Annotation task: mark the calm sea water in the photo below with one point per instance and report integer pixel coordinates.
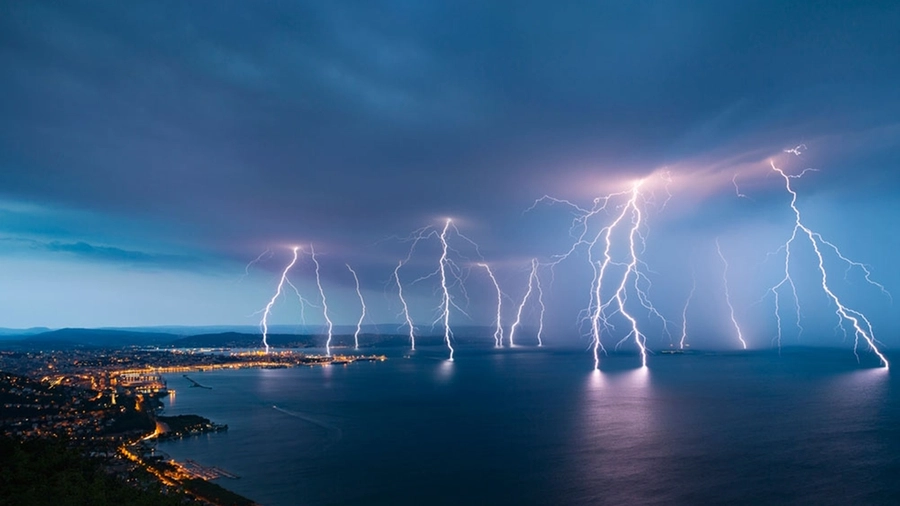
(539, 427)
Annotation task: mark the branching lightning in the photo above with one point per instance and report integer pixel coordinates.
(449, 273)
(611, 235)
(264, 323)
(498, 332)
(603, 305)
(630, 269)
(862, 328)
(362, 303)
(737, 328)
(312, 253)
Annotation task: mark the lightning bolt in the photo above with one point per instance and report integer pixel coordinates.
(631, 268)
(362, 303)
(405, 310)
(543, 308)
(684, 311)
(862, 328)
(450, 274)
(734, 322)
(312, 252)
(498, 332)
(264, 323)
(515, 325)
(445, 304)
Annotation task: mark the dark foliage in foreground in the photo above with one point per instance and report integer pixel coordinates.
(43, 472)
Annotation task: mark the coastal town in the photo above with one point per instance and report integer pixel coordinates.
(105, 404)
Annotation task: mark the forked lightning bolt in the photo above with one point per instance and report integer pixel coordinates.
(630, 269)
(603, 306)
(312, 253)
(362, 303)
(860, 324)
(449, 273)
(264, 323)
(737, 328)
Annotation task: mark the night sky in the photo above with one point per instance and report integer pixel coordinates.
(151, 150)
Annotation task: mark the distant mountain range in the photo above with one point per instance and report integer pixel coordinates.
(220, 337)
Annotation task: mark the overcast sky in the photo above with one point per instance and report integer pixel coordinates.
(150, 150)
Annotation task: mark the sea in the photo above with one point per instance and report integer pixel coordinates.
(535, 426)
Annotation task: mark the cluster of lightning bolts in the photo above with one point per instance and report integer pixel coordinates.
(285, 280)
(616, 276)
(611, 236)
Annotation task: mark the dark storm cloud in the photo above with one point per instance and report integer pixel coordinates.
(339, 123)
(107, 254)
(118, 255)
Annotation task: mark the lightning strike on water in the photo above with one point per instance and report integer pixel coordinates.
(543, 308)
(734, 322)
(600, 310)
(362, 303)
(405, 311)
(264, 323)
(449, 272)
(512, 329)
(498, 332)
(312, 252)
(445, 304)
(862, 328)
(684, 311)
(631, 268)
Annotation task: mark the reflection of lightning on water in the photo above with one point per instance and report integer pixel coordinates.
(498, 332)
(362, 303)
(737, 328)
(264, 323)
(312, 253)
(858, 321)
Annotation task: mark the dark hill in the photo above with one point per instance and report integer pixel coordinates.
(102, 337)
